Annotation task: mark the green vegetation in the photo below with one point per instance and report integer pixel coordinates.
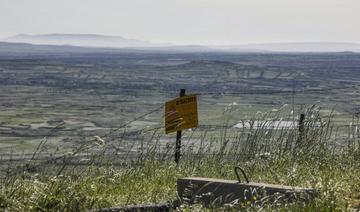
(268, 155)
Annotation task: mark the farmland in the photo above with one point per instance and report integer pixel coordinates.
(56, 104)
(91, 94)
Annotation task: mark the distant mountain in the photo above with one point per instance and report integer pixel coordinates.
(178, 48)
(27, 49)
(304, 47)
(103, 41)
(294, 47)
(88, 40)
(10, 49)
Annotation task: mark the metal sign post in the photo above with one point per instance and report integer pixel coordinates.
(178, 138)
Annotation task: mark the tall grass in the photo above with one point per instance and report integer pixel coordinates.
(99, 173)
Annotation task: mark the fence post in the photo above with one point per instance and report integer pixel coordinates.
(178, 138)
(301, 127)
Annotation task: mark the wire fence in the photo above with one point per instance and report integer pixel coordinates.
(245, 91)
(253, 92)
(201, 126)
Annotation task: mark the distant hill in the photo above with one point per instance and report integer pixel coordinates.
(294, 47)
(89, 40)
(103, 41)
(10, 49)
(26, 49)
(7, 47)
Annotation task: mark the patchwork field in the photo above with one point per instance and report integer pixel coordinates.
(86, 95)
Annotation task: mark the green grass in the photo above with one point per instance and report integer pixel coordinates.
(267, 156)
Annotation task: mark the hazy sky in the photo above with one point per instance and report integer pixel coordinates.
(188, 21)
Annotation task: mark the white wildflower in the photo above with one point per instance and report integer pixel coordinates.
(99, 140)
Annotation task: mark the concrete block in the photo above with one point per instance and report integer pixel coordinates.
(217, 192)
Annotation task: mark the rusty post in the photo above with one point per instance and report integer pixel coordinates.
(301, 127)
(178, 138)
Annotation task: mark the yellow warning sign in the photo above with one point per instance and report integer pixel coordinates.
(181, 113)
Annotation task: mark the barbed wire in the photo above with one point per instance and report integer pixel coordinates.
(244, 92)
(51, 160)
(218, 93)
(223, 94)
(133, 120)
(252, 92)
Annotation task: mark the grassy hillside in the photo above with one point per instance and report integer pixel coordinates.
(277, 156)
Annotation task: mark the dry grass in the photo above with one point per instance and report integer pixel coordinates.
(273, 156)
